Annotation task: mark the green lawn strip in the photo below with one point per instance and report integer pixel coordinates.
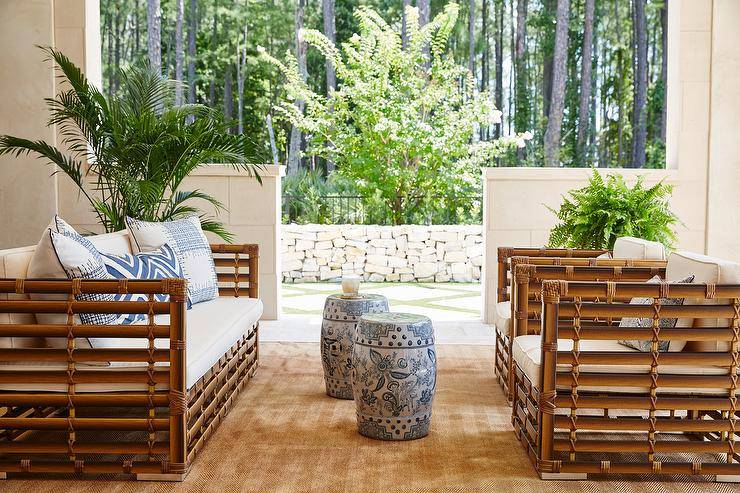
(297, 311)
(427, 304)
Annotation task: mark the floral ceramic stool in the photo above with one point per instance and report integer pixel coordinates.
(394, 369)
(337, 334)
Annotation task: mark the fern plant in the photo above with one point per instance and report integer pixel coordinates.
(129, 153)
(596, 215)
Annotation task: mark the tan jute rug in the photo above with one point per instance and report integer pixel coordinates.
(285, 434)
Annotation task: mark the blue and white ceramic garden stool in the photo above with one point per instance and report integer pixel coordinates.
(341, 315)
(394, 374)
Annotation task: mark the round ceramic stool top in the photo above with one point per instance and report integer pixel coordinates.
(337, 336)
(394, 369)
(350, 309)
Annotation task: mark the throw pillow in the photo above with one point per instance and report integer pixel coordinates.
(160, 264)
(664, 323)
(79, 259)
(186, 238)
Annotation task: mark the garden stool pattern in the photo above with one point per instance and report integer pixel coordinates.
(337, 335)
(394, 369)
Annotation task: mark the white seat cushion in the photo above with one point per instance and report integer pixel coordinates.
(705, 269)
(503, 317)
(527, 352)
(638, 249)
(212, 328)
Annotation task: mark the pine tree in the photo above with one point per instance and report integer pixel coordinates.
(559, 73)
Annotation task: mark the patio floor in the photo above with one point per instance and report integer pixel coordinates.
(455, 310)
(439, 301)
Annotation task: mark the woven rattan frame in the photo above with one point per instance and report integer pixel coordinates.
(682, 432)
(530, 272)
(148, 434)
(504, 287)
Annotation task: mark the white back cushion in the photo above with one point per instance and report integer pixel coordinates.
(114, 243)
(638, 249)
(705, 269)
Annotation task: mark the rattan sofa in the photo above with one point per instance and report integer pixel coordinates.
(143, 408)
(586, 405)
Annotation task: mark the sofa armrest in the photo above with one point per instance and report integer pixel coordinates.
(237, 268)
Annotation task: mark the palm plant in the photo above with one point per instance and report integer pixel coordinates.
(596, 215)
(129, 153)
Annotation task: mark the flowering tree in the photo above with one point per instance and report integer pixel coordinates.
(402, 122)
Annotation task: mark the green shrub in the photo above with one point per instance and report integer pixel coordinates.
(596, 215)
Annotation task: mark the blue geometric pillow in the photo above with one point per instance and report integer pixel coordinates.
(160, 264)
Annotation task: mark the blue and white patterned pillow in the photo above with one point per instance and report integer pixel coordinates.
(186, 238)
(160, 264)
(80, 259)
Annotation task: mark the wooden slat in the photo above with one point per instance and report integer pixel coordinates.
(675, 446)
(228, 277)
(80, 355)
(33, 306)
(640, 424)
(628, 402)
(642, 358)
(123, 424)
(99, 331)
(231, 262)
(609, 380)
(81, 447)
(123, 399)
(83, 376)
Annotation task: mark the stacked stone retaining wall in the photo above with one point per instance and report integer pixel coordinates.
(314, 253)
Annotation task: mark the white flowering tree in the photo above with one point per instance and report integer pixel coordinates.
(402, 122)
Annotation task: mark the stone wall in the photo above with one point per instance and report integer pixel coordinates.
(313, 253)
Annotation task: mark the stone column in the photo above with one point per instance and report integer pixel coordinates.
(253, 215)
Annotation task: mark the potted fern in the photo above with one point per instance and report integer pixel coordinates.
(128, 153)
(596, 215)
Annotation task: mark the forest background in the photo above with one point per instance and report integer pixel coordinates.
(609, 100)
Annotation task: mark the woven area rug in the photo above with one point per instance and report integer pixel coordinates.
(285, 434)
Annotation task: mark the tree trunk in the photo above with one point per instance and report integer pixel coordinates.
(471, 37)
(512, 56)
(294, 149)
(404, 34)
(137, 29)
(214, 39)
(559, 71)
(664, 66)
(119, 37)
(192, 32)
(484, 60)
(425, 13)
(327, 8)
(585, 92)
(521, 117)
(271, 134)
(498, 49)
(179, 52)
(111, 73)
(639, 111)
(228, 95)
(241, 77)
(154, 35)
(549, 6)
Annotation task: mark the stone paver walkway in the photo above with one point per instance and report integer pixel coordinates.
(438, 301)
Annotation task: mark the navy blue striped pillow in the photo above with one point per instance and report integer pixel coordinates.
(159, 264)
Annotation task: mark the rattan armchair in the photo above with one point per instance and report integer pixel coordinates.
(530, 272)
(579, 411)
(155, 426)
